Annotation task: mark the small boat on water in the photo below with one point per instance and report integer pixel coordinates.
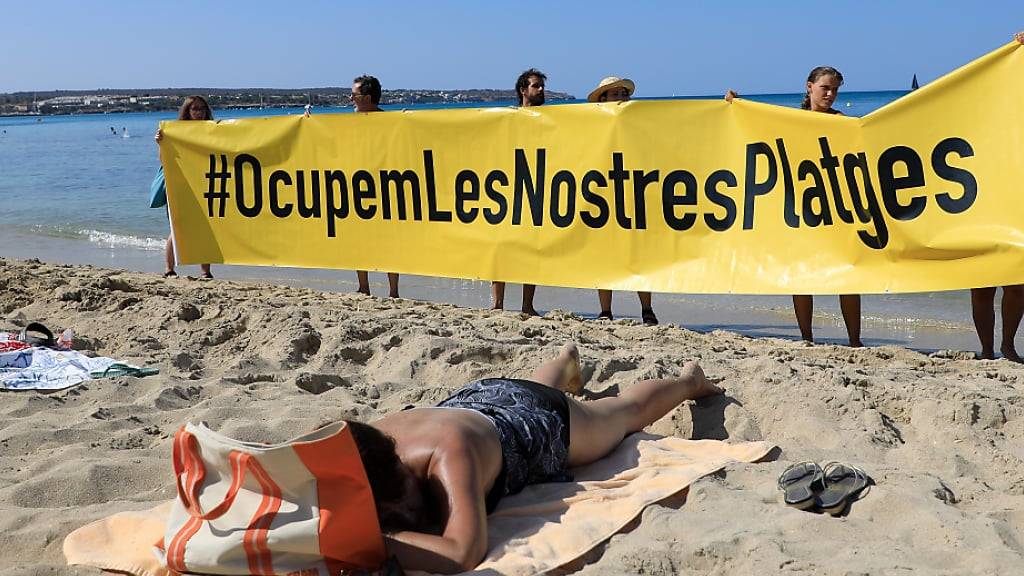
(913, 84)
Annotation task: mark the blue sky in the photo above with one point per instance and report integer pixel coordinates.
(682, 48)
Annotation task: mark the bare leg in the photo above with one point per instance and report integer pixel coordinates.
(645, 300)
(1013, 309)
(850, 305)
(984, 318)
(528, 291)
(393, 285)
(605, 298)
(804, 307)
(646, 309)
(596, 428)
(562, 372)
(364, 282)
(497, 295)
(206, 270)
(169, 256)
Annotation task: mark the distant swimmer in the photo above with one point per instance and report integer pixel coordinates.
(124, 133)
(113, 131)
(615, 89)
(530, 88)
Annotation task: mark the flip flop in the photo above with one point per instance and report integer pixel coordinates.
(844, 484)
(170, 274)
(799, 484)
(35, 334)
(605, 316)
(118, 369)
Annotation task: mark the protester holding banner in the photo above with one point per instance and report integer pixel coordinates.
(1011, 309)
(193, 108)
(530, 88)
(822, 89)
(366, 98)
(614, 89)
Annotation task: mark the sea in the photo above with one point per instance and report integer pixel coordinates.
(74, 189)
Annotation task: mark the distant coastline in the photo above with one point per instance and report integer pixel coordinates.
(107, 101)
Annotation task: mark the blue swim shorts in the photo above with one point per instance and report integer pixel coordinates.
(532, 421)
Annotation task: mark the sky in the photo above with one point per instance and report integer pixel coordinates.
(667, 48)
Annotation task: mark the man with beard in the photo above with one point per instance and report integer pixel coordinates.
(530, 88)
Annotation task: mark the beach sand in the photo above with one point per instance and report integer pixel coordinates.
(942, 435)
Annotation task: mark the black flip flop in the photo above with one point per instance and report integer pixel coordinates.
(35, 334)
(844, 484)
(799, 484)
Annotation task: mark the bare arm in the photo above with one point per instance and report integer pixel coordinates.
(463, 543)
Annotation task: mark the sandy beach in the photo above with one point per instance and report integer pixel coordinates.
(941, 434)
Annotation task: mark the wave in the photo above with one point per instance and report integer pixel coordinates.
(111, 240)
(98, 237)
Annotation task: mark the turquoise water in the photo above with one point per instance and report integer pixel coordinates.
(73, 191)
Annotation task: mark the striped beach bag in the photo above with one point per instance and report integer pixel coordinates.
(302, 508)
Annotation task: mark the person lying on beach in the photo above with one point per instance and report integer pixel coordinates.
(822, 89)
(614, 89)
(193, 108)
(437, 472)
(530, 88)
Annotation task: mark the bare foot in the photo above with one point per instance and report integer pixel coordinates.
(571, 380)
(530, 312)
(363, 291)
(694, 377)
(856, 344)
(1010, 353)
(987, 355)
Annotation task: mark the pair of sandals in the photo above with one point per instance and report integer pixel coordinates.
(831, 489)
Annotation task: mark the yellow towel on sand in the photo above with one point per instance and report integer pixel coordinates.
(543, 527)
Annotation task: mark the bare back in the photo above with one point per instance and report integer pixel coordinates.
(422, 435)
(457, 456)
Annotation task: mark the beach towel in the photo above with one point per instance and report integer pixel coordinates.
(46, 369)
(541, 528)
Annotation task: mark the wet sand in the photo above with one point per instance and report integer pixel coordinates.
(925, 323)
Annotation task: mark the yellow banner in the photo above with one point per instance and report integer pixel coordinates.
(667, 196)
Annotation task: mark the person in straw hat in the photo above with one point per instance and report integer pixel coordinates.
(615, 89)
(612, 89)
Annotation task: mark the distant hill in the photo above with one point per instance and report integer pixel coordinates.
(141, 100)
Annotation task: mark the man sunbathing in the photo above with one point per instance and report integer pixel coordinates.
(437, 472)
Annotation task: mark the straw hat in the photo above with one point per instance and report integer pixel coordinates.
(609, 83)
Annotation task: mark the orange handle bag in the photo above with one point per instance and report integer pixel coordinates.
(302, 507)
